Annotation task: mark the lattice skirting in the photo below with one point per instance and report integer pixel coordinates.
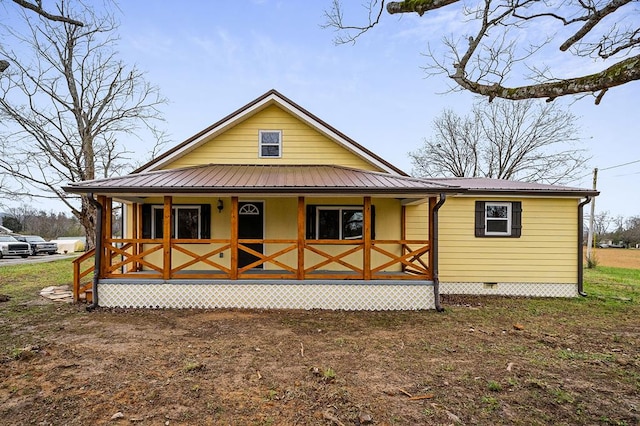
(296, 295)
(511, 289)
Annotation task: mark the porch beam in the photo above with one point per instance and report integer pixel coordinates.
(366, 267)
(166, 238)
(301, 237)
(234, 238)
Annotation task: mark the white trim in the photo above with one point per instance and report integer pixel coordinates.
(174, 225)
(257, 107)
(261, 144)
(508, 219)
(340, 229)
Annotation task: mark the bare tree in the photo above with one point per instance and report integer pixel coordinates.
(69, 110)
(525, 140)
(37, 8)
(501, 52)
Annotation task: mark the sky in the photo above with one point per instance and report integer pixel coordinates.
(210, 58)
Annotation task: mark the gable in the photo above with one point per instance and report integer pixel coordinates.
(301, 145)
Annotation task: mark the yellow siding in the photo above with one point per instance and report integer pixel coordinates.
(417, 220)
(280, 215)
(301, 144)
(546, 251)
(280, 218)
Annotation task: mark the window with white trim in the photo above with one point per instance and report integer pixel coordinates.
(270, 143)
(186, 222)
(339, 223)
(498, 219)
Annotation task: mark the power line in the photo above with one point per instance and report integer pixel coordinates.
(608, 168)
(620, 165)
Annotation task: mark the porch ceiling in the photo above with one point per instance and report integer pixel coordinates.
(262, 179)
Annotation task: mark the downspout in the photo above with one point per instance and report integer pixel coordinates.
(434, 248)
(97, 258)
(580, 242)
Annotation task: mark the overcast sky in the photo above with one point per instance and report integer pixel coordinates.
(211, 57)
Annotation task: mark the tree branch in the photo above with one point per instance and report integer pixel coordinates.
(618, 74)
(592, 21)
(417, 6)
(37, 8)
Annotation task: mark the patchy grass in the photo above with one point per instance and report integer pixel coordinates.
(569, 361)
(24, 282)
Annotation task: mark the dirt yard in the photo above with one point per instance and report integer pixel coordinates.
(484, 361)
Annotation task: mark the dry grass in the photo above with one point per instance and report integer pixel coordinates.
(618, 258)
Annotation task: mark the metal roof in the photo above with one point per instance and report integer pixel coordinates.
(306, 179)
(265, 179)
(487, 185)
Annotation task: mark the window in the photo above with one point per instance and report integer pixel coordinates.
(187, 221)
(336, 222)
(270, 143)
(498, 219)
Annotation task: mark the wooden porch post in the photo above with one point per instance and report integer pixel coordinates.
(234, 238)
(301, 237)
(135, 234)
(366, 231)
(166, 238)
(432, 204)
(100, 245)
(403, 233)
(107, 221)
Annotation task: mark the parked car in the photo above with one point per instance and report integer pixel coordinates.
(37, 244)
(9, 246)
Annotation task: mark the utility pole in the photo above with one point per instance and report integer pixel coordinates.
(593, 212)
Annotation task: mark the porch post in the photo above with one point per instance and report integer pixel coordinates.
(101, 245)
(166, 238)
(301, 237)
(403, 233)
(135, 234)
(107, 221)
(366, 231)
(234, 238)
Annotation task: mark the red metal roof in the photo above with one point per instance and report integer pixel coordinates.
(488, 185)
(306, 179)
(262, 179)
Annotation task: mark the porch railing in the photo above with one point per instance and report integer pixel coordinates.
(281, 259)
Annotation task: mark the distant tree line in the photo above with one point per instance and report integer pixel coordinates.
(616, 228)
(49, 225)
(27, 220)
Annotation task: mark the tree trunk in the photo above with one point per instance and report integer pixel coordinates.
(87, 217)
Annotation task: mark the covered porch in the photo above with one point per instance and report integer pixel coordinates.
(380, 262)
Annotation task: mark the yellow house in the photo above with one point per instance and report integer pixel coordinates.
(271, 207)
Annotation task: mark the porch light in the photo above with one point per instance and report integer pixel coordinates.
(220, 205)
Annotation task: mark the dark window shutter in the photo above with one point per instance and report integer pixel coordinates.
(146, 221)
(516, 219)
(311, 222)
(205, 221)
(373, 222)
(480, 218)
